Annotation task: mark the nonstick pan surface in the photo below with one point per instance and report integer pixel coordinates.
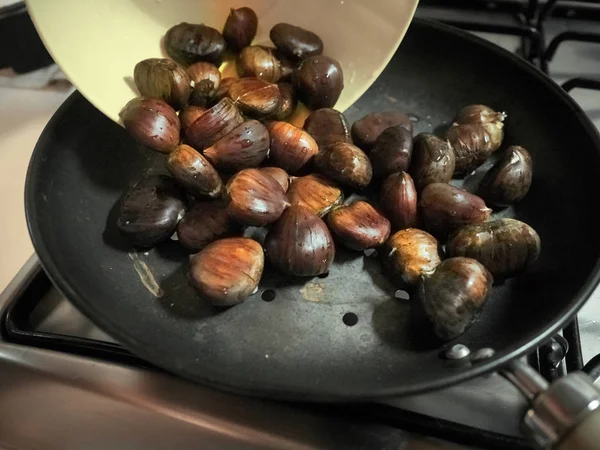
(303, 344)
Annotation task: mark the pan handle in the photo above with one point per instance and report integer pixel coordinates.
(564, 415)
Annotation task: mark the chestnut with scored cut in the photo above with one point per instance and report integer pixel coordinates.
(246, 146)
(255, 198)
(432, 161)
(300, 244)
(255, 97)
(445, 208)
(506, 247)
(259, 62)
(319, 82)
(240, 28)
(280, 175)
(150, 210)
(152, 122)
(366, 130)
(228, 271)
(316, 193)
(188, 43)
(163, 78)
(204, 223)
(508, 181)
(193, 171)
(399, 200)
(295, 42)
(327, 126)
(346, 164)
(359, 225)
(291, 147)
(215, 123)
(392, 151)
(454, 295)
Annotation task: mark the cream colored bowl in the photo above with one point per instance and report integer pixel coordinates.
(98, 42)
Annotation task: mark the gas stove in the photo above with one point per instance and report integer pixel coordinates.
(70, 385)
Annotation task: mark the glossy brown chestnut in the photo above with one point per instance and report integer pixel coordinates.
(299, 243)
(295, 42)
(319, 82)
(188, 43)
(204, 223)
(432, 161)
(246, 146)
(445, 208)
(316, 193)
(479, 114)
(194, 173)
(255, 97)
(346, 164)
(366, 130)
(288, 102)
(240, 28)
(454, 295)
(287, 66)
(473, 144)
(280, 175)
(215, 123)
(506, 247)
(508, 181)
(189, 114)
(223, 89)
(255, 198)
(206, 78)
(392, 151)
(291, 147)
(227, 271)
(150, 210)
(259, 62)
(359, 225)
(327, 126)
(152, 122)
(408, 255)
(399, 200)
(163, 78)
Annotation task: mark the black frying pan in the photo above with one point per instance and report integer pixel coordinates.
(298, 345)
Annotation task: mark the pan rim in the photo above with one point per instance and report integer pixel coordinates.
(341, 393)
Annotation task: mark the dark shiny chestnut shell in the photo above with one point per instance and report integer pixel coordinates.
(206, 78)
(240, 28)
(319, 82)
(188, 43)
(327, 126)
(506, 247)
(189, 114)
(288, 102)
(223, 89)
(194, 173)
(454, 295)
(359, 225)
(295, 42)
(300, 244)
(258, 62)
(445, 208)
(432, 161)
(346, 164)
(291, 147)
(215, 123)
(318, 194)
(254, 97)
(163, 78)
(366, 130)
(150, 210)
(280, 175)
(473, 143)
(399, 200)
(204, 223)
(478, 114)
(392, 151)
(152, 122)
(508, 181)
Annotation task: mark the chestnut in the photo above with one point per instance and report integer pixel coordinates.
(150, 210)
(366, 130)
(299, 243)
(164, 79)
(432, 161)
(247, 145)
(454, 295)
(195, 174)
(280, 175)
(259, 62)
(506, 247)
(188, 43)
(392, 151)
(508, 181)
(227, 271)
(445, 208)
(255, 198)
(255, 97)
(291, 147)
(408, 255)
(206, 78)
(152, 122)
(319, 81)
(359, 226)
(215, 123)
(399, 200)
(240, 28)
(327, 126)
(346, 164)
(479, 114)
(295, 42)
(316, 193)
(288, 102)
(204, 223)
(189, 114)
(223, 89)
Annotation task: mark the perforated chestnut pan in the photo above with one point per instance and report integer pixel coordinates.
(298, 346)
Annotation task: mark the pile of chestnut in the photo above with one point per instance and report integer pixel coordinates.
(234, 162)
